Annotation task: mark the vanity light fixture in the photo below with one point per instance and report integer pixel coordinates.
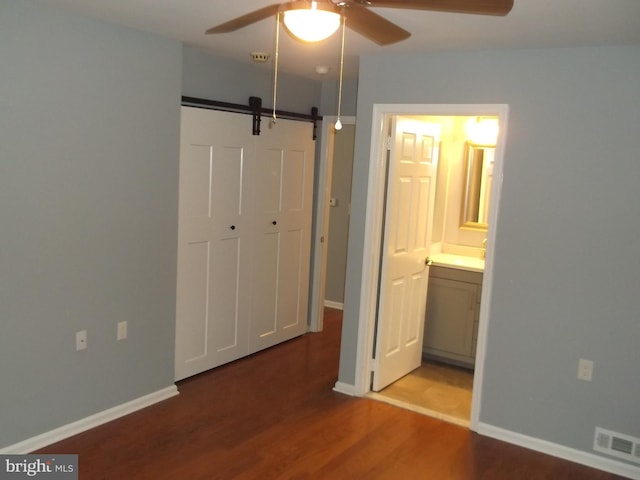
(311, 24)
(482, 130)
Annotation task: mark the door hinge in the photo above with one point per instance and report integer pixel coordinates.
(388, 143)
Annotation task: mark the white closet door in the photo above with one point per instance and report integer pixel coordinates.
(214, 257)
(284, 194)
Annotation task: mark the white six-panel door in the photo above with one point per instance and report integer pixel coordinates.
(212, 310)
(243, 237)
(284, 187)
(405, 273)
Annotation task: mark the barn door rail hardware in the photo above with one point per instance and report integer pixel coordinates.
(255, 109)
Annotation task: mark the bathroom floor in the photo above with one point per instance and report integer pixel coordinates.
(435, 389)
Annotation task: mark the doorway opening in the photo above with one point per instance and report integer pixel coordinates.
(374, 344)
(332, 215)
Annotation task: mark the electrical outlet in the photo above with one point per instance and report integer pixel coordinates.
(585, 369)
(81, 340)
(122, 331)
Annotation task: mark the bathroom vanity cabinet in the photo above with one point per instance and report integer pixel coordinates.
(453, 310)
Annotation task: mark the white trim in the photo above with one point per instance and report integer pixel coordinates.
(560, 451)
(321, 214)
(371, 254)
(89, 422)
(373, 238)
(332, 304)
(502, 112)
(345, 388)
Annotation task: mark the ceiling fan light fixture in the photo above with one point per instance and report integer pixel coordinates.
(311, 24)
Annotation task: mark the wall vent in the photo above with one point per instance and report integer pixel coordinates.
(617, 445)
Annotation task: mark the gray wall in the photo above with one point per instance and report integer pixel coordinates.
(567, 267)
(339, 215)
(329, 98)
(89, 141)
(217, 78)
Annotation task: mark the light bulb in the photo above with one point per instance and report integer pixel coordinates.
(311, 24)
(482, 131)
(338, 125)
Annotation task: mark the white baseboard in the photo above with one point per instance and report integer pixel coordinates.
(345, 388)
(89, 422)
(332, 304)
(566, 453)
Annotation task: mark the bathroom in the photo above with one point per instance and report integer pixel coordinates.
(443, 385)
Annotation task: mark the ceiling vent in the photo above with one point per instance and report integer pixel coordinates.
(617, 445)
(260, 57)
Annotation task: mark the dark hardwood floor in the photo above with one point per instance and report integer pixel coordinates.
(274, 415)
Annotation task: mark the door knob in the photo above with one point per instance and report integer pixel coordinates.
(427, 261)
(232, 227)
(274, 223)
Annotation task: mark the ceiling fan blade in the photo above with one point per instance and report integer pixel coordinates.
(481, 7)
(373, 26)
(244, 20)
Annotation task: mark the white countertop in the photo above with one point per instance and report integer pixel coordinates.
(460, 262)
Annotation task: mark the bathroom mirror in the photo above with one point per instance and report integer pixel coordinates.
(478, 163)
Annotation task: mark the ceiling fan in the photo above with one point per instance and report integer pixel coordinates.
(366, 22)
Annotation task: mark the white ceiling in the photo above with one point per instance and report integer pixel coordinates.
(531, 24)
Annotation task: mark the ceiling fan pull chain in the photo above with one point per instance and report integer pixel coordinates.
(275, 68)
(338, 125)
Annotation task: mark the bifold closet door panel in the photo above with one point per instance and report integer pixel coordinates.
(244, 237)
(283, 208)
(214, 233)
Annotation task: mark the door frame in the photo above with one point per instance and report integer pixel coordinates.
(377, 183)
(321, 213)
